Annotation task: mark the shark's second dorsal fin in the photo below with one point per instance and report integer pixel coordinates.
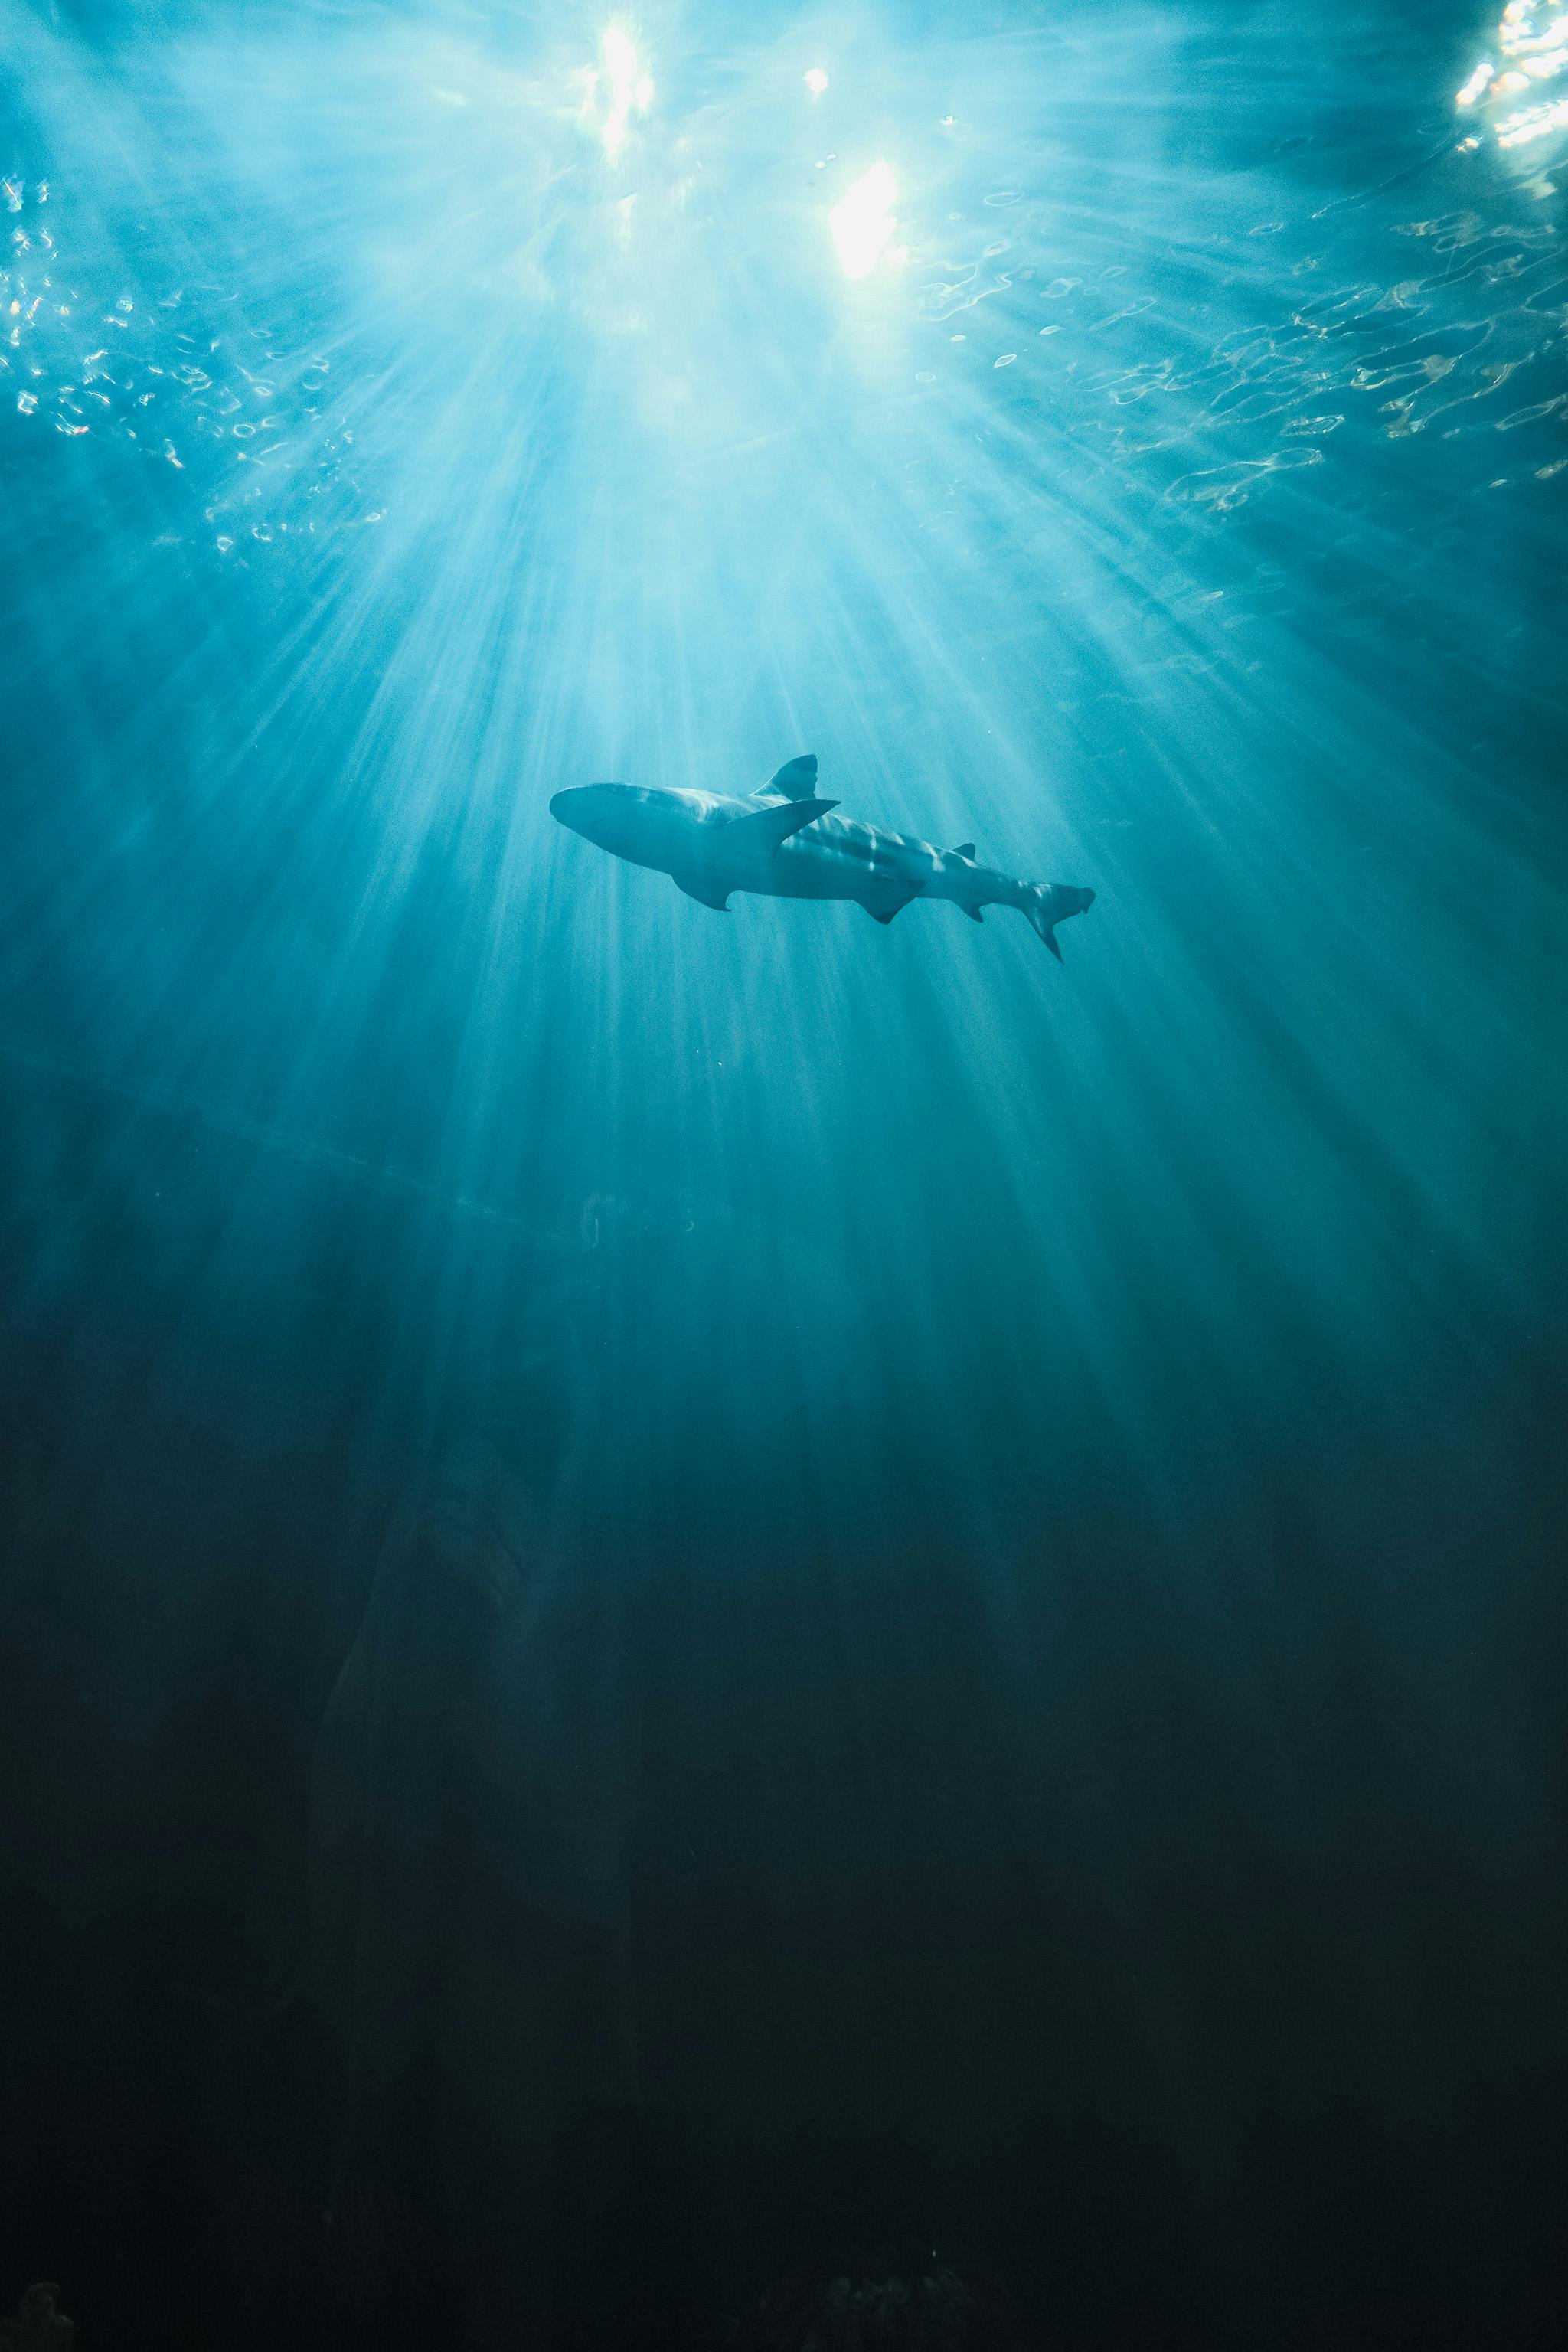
(766, 828)
(795, 779)
(964, 849)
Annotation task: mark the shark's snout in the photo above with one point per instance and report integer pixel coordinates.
(574, 808)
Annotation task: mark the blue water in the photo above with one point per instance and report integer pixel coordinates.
(1061, 1461)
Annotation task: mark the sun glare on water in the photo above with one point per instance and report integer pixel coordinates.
(864, 222)
(1534, 53)
(621, 89)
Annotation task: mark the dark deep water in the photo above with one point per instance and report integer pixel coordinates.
(677, 1591)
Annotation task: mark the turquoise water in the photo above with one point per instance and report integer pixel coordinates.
(1058, 1461)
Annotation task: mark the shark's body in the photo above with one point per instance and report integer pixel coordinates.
(785, 842)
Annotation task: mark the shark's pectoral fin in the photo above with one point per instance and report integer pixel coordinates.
(709, 894)
(769, 827)
(794, 781)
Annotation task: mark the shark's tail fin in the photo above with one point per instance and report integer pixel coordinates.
(1051, 903)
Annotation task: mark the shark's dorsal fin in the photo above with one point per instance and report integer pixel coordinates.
(794, 781)
(964, 849)
(767, 827)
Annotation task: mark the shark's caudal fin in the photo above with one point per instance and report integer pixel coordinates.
(1051, 904)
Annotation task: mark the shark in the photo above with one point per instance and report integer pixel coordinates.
(783, 840)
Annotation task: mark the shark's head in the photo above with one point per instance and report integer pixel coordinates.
(635, 820)
(589, 809)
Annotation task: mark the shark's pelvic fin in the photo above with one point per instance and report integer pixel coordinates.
(697, 886)
(964, 849)
(975, 914)
(794, 780)
(768, 827)
(883, 909)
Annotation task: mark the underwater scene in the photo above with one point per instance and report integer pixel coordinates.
(722, 1624)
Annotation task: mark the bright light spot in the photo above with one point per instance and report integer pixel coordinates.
(629, 92)
(1539, 54)
(1533, 122)
(864, 222)
(817, 81)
